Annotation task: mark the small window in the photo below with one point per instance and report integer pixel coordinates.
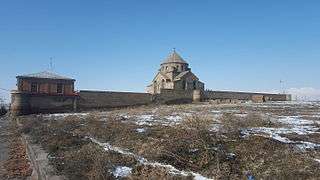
(34, 87)
(59, 88)
(20, 84)
(184, 85)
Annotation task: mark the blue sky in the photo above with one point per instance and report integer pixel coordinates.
(246, 45)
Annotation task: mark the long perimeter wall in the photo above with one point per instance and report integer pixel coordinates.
(244, 96)
(26, 103)
(108, 99)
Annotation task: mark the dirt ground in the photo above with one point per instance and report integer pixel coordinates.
(3, 145)
(14, 164)
(192, 141)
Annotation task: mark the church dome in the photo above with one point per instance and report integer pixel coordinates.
(174, 57)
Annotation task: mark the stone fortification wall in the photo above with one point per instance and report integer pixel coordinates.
(107, 99)
(26, 103)
(244, 96)
(169, 96)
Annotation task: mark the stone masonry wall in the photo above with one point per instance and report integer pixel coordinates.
(26, 103)
(244, 95)
(108, 99)
(169, 96)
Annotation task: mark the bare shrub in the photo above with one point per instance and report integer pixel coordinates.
(3, 109)
(92, 162)
(85, 163)
(192, 146)
(197, 122)
(268, 159)
(152, 172)
(233, 125)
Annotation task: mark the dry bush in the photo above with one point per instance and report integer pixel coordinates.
(233, 125)
(3, 110)
(316, 123)
(28, 124)
(70, 152)
(113, 130)
(92, 162)
(197, 122)
(269, 159)
(85, 163)
(54, 136)
(191, 146)
(146, 172)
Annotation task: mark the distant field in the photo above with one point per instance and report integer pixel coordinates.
(269, 140)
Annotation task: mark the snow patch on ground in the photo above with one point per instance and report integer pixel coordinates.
(124, 116)
(144, 120)
(274, 133)
(63, 115)
(294, 120)
(318, 160)
(294, 125)
(122, 171)
(216, 127)
(150, 120)
(241, 115)
(141, 130)
(172, 170)
(174, 118)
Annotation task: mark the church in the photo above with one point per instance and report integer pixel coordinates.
(174, 74)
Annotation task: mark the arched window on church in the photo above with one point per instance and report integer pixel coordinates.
(194, 84)
(184, 84)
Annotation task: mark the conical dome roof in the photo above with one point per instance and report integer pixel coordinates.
(174, 57)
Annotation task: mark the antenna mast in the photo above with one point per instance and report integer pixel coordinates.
(51, 64)
(282, 87)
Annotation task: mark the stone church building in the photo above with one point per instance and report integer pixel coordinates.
(174, 74)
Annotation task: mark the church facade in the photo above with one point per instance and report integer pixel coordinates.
(174, 74)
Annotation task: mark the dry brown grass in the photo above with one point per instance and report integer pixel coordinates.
(146, 172)
(17, 165)
(233, 125)
(268, 159)
(92, 162)
(190, 145)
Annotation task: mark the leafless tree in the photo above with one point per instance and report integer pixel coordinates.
(3, 109)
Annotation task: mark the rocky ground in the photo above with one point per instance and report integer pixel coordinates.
(193, 141)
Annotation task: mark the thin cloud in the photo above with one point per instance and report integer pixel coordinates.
(305, 93)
